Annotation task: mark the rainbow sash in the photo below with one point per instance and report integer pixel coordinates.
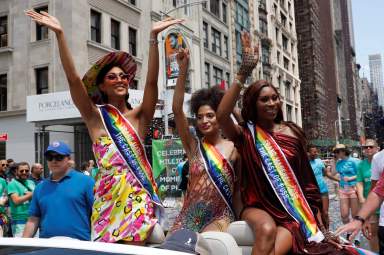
(284, 183)
(219, 170)
(358, 251)
(130, 147)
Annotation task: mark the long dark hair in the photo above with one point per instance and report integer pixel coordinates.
(100, 79)
(251, 94)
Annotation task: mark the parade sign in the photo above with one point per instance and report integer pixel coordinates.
(173, 42)
(166, 155)
(3, 137)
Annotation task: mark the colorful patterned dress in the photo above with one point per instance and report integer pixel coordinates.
(203, 203)
(122, 209)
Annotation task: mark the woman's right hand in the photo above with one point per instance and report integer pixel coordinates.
(250, 56)
(45, 19)
(182, 59)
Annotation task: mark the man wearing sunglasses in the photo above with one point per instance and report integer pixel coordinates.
(3, 168)
(62, 203)
(20, 191)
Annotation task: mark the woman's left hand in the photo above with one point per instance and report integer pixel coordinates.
(163, 24)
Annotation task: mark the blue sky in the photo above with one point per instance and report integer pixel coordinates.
(369, 31)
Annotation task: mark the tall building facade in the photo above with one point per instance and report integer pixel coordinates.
(311, 69)
(376, 75)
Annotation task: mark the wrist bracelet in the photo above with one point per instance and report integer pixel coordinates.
(239, 83)
(153, 41)
(359, 218)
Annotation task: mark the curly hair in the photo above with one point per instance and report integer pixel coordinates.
(209, 96)
(251, 94)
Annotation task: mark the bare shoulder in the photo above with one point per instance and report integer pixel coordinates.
(291, 129)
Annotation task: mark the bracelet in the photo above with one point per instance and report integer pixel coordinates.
(359, 218)
(153, 41)
(239, 83)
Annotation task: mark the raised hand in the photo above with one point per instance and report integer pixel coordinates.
(250, 55)
(163, 24)
(45, 19)
(182, 59)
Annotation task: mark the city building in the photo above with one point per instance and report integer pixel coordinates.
(312, 59)
(376, 75)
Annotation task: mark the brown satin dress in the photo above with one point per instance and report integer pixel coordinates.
(257, 192)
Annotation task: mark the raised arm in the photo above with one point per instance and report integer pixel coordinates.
(147, 108)
(78, 92)
(227, 104)
(178, 101)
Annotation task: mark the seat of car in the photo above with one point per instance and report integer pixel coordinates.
(243, 235)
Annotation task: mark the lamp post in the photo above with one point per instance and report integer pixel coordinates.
(340, 129)
(163, 14)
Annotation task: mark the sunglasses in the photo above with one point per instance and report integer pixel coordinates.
(5, 165)
(368, 147)
(115, 77)
(57, 157)
(24, 171)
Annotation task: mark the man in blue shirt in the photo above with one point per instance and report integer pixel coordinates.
(61, 204)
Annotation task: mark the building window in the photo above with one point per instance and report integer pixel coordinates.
(95, 26)
(41, 31)
(280, 84)
(224, 7)
(205, 5)
(41, 80)
(115, 34)
(278, 56)
(132, 2)
(217, 75)
(265, 55)
(242, 15)
(207, 75)
(290, 27)
(289, 8)
(288, 90)
(215, 7)
(228, 79)
(289, 112)
(238, 46)
(3, 92)
(285, 42)
(286, 63)
(263, 26)
(283, 19)
(293, 68)
(216, 41)
(226, 47)
(3, 31)
(277, 34)
(205, 34)
(132, 41)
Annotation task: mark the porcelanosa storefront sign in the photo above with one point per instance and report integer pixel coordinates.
(59, 105)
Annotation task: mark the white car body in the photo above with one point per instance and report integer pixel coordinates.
(67, 245)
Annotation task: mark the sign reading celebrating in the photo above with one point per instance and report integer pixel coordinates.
(166, 155)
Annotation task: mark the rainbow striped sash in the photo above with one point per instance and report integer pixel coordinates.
(283, 181)
(219, 170)
(130, 147)
(358, 251)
